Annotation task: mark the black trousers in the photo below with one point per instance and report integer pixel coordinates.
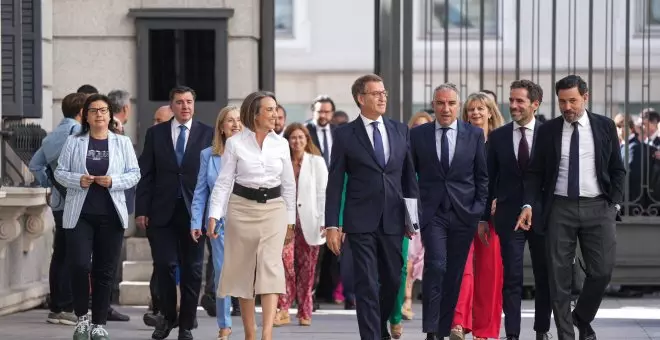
(171, 245)
(592, 222)
(59, 275)
(100, 237)
(153, 289)
(377, 264)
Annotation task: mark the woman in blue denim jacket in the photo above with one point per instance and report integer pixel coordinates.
(227, 124)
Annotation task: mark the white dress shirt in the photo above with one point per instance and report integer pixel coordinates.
(383, 133)
(328, 133)
(529, 136)
(451, 139)
(588, 179)
(176, 131)
(245, 163)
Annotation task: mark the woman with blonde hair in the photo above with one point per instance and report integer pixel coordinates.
(259, 210)
(227, 124)
(300, 255)
(479, 307)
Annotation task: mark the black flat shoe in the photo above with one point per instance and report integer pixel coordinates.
(162, 330)
(114, 315)
(151, 319)
(208, 303)
(185, 334)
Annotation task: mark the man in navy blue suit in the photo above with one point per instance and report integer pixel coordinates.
(510, 150)
(372, 151)
(450, 159)
(169, 164)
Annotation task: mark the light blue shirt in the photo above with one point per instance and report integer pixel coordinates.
(48, 153)
(451, 139)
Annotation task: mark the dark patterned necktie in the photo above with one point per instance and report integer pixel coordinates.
(523, 150)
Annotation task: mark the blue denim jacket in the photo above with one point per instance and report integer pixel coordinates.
(48, 153)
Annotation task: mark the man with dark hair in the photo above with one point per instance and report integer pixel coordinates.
(510, 149)
(280, 120)
(650, 120)
(87, 89)
(323, 108)
(578, 181)
(42, 165)
(372, 153)
(169, 164)
(339, 118)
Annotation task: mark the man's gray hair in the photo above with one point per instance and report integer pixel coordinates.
(119, 99)
(448, 86)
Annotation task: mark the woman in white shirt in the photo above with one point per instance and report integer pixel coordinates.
(300, 255)
(258, 211)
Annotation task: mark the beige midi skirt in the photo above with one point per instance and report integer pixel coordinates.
(254, 239)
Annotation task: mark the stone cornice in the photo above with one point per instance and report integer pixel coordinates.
(22, 215)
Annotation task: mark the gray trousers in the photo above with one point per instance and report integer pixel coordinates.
(592, 222)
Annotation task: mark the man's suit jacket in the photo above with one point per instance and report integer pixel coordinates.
(311, 127)
(372, 193)
(122, 167)
(541, 177)
(506, 180)
(157, 190)
(465, 184)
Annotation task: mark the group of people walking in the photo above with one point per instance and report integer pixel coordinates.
(267, 202)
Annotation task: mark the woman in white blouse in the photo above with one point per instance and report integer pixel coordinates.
(300, 255)
(258, 211)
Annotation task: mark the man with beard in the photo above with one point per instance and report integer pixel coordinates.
(510, 149)
(280, 120)
(580, 181)
(320, 128)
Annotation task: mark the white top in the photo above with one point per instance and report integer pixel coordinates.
(319, 135)
(529, 136)
(253, 167)
(451, 139)
(383, 133)
(588, 179)
(176, 131)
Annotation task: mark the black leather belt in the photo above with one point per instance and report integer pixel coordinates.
(260, 195)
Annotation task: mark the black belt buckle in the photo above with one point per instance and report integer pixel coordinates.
(262, 196)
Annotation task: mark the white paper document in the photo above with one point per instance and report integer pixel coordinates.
(412, 215)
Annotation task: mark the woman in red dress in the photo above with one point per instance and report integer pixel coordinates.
(479, 307)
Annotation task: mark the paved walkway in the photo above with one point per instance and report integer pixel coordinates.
(618, 319)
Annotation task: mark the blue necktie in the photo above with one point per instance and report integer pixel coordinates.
(444, 150)
(326, 152)
(180, 144)
(379, 151)
(574, 165)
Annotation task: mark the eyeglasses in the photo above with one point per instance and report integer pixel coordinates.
(100, 110)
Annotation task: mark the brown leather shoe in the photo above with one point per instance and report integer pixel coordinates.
(281, 318)
(305, 322)
(396, 330)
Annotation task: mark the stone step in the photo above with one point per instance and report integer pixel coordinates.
(137, 270)
(138, 249)
(134, 293)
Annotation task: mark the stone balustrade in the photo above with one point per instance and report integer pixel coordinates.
(26, 225)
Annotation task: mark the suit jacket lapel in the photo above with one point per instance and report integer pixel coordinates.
(361, 134)
(512, 148)
(557, 136)
(536, 130)
(83, 143)
(598, 133)
(193, 137)
(166, 136)
(112, 153)
(215, 160)
(432, 137)
(312, 132)
(392, 139)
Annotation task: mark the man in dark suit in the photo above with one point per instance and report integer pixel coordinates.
(580, 177)
(510, 149)
(169, 164)
(372, 151)
(320, 127)
(450, 159)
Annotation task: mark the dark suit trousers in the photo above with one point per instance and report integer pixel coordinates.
(171, 245)
(346, 272)
(59, 275)
(512, 244)
(446, 241)
(377, 266)
(592, 223)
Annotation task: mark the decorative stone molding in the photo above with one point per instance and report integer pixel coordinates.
(22, 213)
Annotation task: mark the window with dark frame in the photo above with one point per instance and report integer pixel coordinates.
(463, 16)
(182, 57)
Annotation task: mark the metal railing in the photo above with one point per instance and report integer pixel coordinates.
(19, 143)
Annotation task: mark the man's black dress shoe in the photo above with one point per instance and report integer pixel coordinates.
(185, 334)
(349, 305)
(114, 315)
(433, 336)
(151, 319)
(586, 332)
(162, 330)
(542, 336)
(208, 303)
(513, 337)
